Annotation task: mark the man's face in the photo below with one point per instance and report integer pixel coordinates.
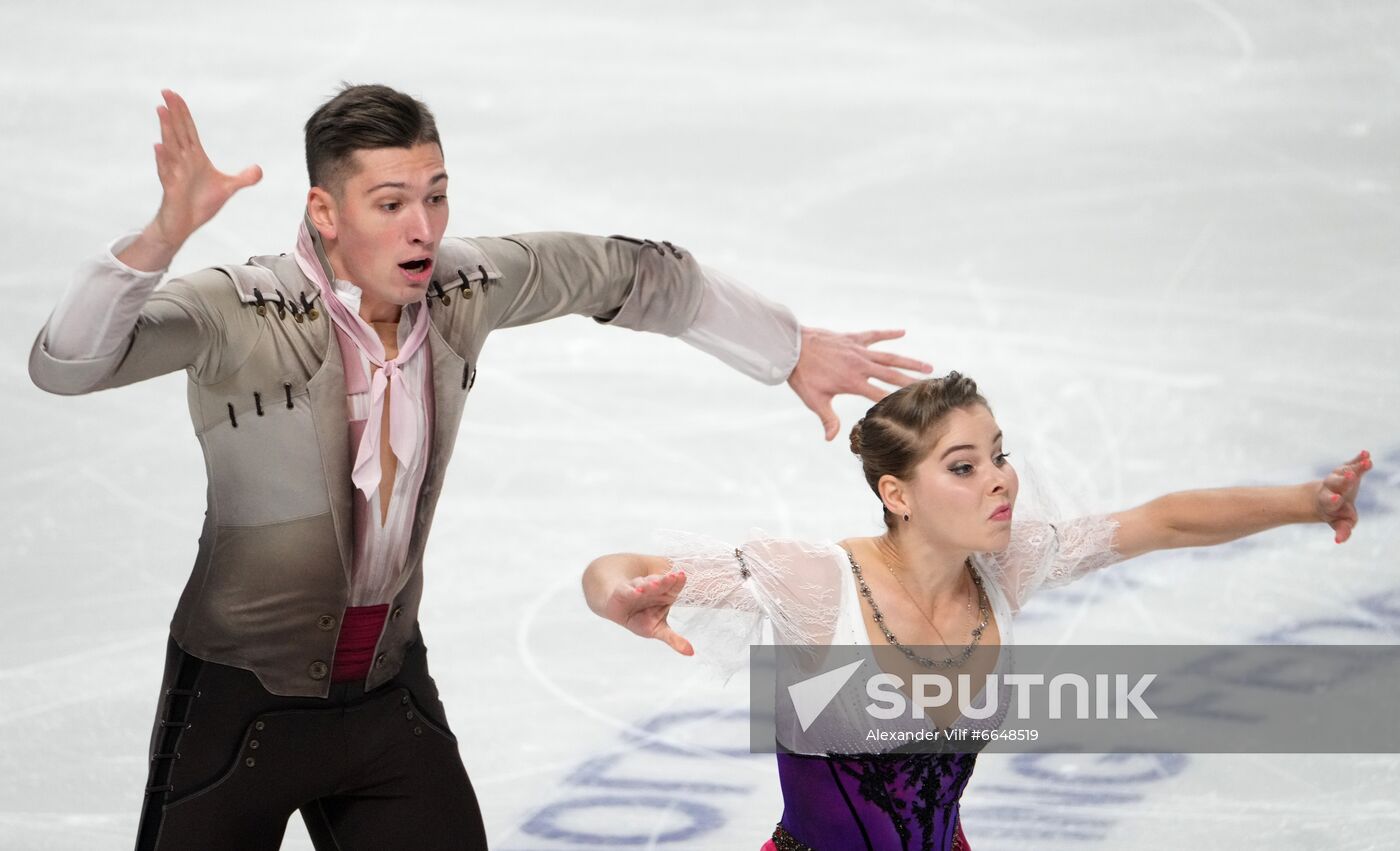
(381, 231)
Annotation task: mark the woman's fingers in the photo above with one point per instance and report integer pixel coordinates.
(1345, 480)
(673, 639)
(1335, 484)
(660, 590)
(1338, 495)
(1344, 524)
(657, 579)
(1358, 465)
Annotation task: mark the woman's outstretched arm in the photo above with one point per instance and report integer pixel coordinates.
(1206, 517)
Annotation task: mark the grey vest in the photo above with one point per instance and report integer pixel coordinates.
(267, 398)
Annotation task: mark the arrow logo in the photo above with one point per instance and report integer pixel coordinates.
(811, 696)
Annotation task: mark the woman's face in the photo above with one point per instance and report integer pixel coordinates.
(962, 494)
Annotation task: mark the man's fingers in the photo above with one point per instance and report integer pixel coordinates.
(247, 177)
(831, 423)
(190, 127)
(167, 132)
(184, 121)
(177, 129)
(890, 376)
(162, 162)
(866, 338)
(872, 392)
(899, 361)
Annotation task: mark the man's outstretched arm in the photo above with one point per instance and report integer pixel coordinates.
(658, 287)
(764, 340)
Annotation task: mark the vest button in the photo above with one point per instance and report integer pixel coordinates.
(326, 622)
(379, 662)
(397, 613)
(317, 670)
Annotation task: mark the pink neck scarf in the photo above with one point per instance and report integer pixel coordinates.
(407, 417)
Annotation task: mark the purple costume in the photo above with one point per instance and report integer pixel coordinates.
(783, 591)
(904, 801)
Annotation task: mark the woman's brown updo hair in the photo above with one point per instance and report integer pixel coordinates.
(899, 430)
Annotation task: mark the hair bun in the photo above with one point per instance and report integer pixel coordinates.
(855, 436)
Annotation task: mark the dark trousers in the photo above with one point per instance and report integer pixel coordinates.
(230, 763)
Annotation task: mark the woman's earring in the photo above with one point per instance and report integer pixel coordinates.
(906, 518)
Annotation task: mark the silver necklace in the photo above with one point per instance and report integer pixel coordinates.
(920, 609)
(948, 662)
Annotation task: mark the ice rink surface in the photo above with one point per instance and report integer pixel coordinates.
(1163, 236)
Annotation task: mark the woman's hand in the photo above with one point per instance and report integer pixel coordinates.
(642, 603)
(1335, 499)
(1205, 518)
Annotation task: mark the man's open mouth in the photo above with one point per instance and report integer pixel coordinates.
(416, 265)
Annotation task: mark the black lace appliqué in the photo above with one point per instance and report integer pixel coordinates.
(910, 788)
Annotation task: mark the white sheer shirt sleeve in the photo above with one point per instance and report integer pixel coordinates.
(733, 592)
(758, 337)
(100, 307)
(1045, 555)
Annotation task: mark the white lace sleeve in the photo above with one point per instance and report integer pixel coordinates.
(1048, 555)
(731, 592)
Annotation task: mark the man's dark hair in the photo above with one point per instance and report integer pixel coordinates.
(360, 118)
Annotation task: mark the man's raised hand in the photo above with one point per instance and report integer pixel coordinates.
(193, 189)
